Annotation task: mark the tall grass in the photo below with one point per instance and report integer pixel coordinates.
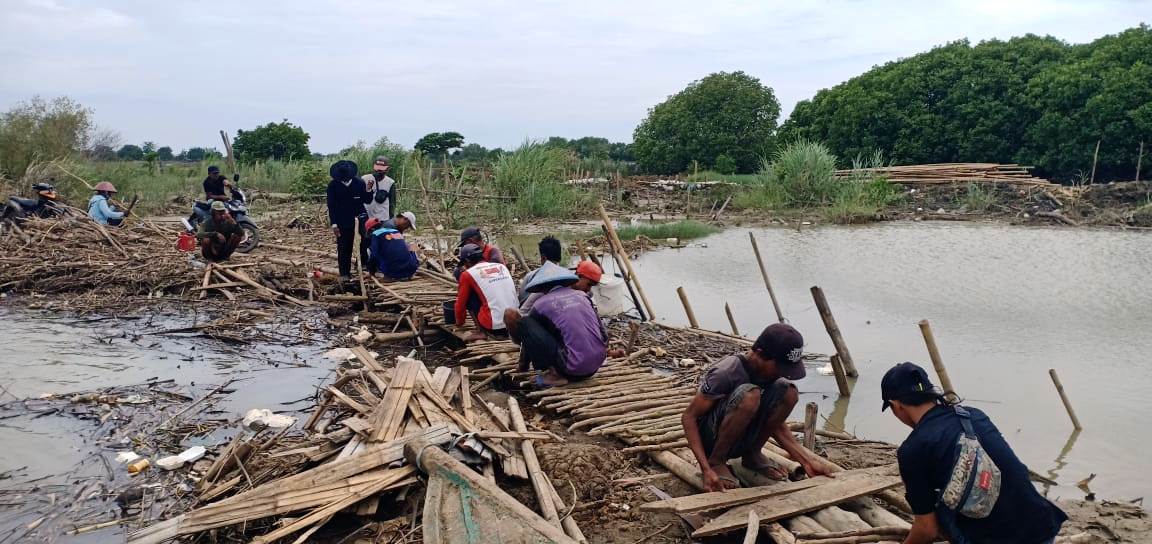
(532, 178)
(683, 230)
(977, 198)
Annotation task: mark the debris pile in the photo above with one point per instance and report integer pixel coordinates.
(945, 173)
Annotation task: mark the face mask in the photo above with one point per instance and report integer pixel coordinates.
(378, 175)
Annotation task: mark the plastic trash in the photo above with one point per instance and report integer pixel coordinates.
(363, 336)
(825, 370)
(172, 462)
(263, 418)
(339, 354)
(139, 466)
(193, 454)
(126, 457)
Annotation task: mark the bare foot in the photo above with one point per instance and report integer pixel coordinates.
(553, 379)
(727, 479)
(758, 462)
(475, 337)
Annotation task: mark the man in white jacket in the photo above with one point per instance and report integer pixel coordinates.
(381, 189)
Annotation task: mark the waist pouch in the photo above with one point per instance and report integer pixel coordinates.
(975, 481)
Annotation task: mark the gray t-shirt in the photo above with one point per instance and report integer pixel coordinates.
(379, 210)
(722, 378)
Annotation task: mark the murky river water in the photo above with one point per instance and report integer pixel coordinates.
(1005, 303)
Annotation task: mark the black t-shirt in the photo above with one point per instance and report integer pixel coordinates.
(1021, 514)
(214, 187)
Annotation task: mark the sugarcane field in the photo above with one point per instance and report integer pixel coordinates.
(884, 286)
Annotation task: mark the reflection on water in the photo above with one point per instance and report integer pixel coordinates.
(1006, 304)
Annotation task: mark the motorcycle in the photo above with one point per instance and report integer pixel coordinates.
(238, 210)
(44, 205)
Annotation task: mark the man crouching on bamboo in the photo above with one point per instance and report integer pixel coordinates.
(743, 401)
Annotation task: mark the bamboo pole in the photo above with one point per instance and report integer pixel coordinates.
(764, 274)
(687, 308)
(833, 331)
(615, 240)
(731, 320)
(937, 362)
(1095, 155)
(810, 411)
(228, 149)
(623, 274)
(539, 480)
(1064, 399)
(1139, 161)
(841, 378)
(359, 266)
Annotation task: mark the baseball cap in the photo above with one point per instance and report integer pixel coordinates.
(902, 380)
(590, 270)
(371, 224)
(468, 234)
(784, 344)
(471, 252)
(218, 206)
(213, 169)
(411, 217)
(381, 160)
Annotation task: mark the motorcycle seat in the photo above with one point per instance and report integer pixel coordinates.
(25, 202)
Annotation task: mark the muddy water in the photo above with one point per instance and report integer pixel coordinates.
(1006, 304)
(45, 353)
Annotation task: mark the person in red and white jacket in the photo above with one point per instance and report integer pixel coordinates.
(491, 284)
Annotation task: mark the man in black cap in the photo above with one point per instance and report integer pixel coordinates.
(963, 501)
(380, 200)
(216, 186)
(488, 252)
(743, 401)
(345, 198)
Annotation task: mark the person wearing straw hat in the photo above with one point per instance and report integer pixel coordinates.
(391, 257)
(99, 207)
(743, 400)
(345, 198)
(962, 479)
(219, 235)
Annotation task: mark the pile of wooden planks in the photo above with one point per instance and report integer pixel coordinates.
(944, 173)
(353, 450)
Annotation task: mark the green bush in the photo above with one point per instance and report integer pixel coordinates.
(725, 165)
(312, 180)
(532, 179)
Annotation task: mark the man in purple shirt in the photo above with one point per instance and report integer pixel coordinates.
(562, 337)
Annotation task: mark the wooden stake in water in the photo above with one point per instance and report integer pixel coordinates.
(619, 248)
(687, 308)
(833, 330)
(764, 274)
(731, 320)
(1064, 399)
(937, 361)
(841, 377)
(810, 412)
(624, 274)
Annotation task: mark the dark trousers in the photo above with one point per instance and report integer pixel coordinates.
(344, 249)
(542, 346)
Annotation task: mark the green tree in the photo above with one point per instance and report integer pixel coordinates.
(472, 153)
(130, 152)
(437, 144)
(148, 147)
(280, 141)
(165, 153)
(724, 113)
(102, 153)
(41, 130)
(591, 147)
(621, 152)
(725, 164)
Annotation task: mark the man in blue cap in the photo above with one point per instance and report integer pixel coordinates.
(743, 401)
(954, 491)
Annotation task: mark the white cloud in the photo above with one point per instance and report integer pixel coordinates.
(496, 71)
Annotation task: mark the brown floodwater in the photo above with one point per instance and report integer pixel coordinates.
(1006, 304)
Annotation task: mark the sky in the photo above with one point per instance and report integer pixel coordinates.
(176, 73)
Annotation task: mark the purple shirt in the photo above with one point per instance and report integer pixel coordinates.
(585, 342)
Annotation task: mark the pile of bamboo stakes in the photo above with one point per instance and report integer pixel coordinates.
(945, 173)
(351, 454)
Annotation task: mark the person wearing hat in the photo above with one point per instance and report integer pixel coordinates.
(562, 337)
(219, 234)
(390, 256)
(589, 274)
(743, 400)
(345, 198)
(488, 252)
(380, 190)
(550, 254)
(99, 208)
(1018, 514)
(217, 187)
(485, 290)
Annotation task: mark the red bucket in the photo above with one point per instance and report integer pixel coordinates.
(186, 242)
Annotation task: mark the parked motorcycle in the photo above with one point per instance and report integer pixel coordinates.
(239, 211)
(44, 205)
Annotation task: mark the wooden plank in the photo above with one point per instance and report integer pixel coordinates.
(466, 395)
(807, 500)
(388, 420)
(536, 475)
(752, 529)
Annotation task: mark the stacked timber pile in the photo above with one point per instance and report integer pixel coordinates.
(353, 455)
(945, 173)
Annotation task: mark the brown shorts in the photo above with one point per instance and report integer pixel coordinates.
(770, 398)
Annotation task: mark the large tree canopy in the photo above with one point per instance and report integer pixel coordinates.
(1032, 100)
(730, 114)
(437, 144)
(281, 140)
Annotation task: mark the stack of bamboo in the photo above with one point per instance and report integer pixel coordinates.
(356, 439)
(944, 173)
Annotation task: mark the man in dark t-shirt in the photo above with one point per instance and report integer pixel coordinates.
(216, 186)
(1020, 514)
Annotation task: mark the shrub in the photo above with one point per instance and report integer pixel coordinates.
(312, 180)
(531, 178)
(976, 198)
(725, 165)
